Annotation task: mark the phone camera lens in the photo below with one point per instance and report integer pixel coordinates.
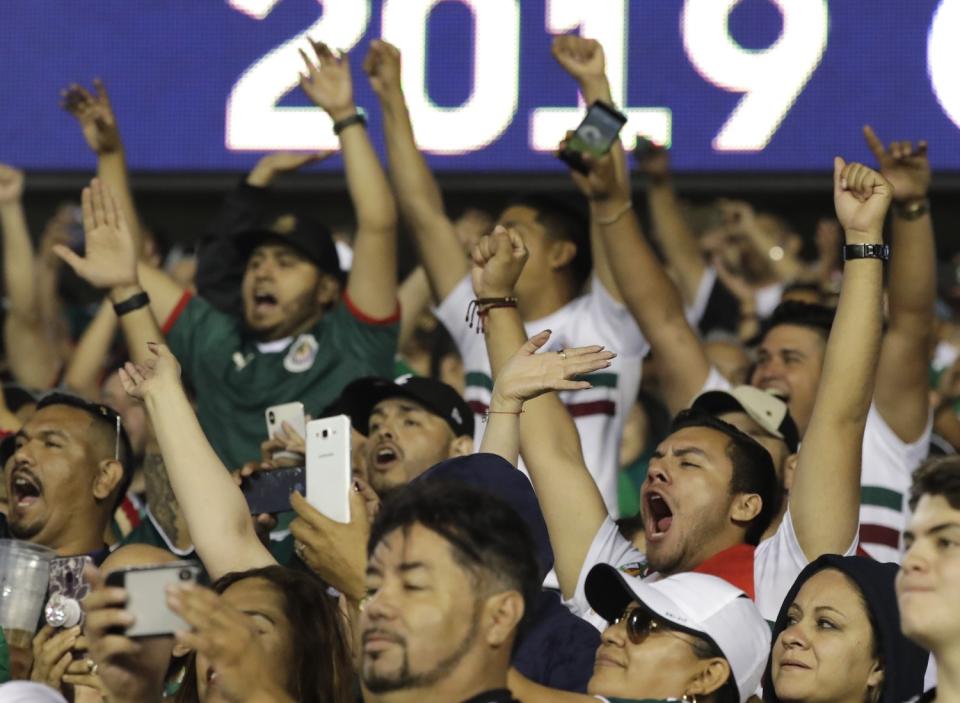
(185, 575)
(326, 433)
(272, 417)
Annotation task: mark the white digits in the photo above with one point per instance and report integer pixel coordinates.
(254, 120)
(770, 79)
(607, 22)
(943, 57)
(492, 104)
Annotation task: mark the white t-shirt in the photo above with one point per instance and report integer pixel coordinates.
(885, 473)
(599, 413)
(777, 561)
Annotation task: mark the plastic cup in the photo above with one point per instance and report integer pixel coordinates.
(24, 577)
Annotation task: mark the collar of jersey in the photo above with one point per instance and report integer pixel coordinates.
(277, 345)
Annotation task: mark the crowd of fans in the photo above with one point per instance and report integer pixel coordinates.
(643, 453)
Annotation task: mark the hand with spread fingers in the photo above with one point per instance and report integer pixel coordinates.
(161, 370)
(528, 374)
(95, 114)
(498, 261)
(382, 66)
(11, 185)
(110, 253)
(225, 637)
(904, 164)
(861, 197)
(327, 81)
(272, 165)
(335, 551)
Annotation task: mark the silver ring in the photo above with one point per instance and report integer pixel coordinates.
(92, 667)
(298, 549)
(563, 354)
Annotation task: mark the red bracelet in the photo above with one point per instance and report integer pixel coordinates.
(477, 309)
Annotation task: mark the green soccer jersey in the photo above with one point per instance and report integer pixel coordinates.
(235, 379)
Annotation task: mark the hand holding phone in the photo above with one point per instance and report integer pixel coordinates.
(147, 598)
(291, 413)
(594, 136)
(268, 490)
(329, 473)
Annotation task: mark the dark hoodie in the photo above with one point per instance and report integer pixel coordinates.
(558, 648)
(904, 662)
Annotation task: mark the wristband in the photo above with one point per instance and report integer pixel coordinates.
(134, 302)
(356, 118)
(478, 308)
(913, 211)
(866, 251)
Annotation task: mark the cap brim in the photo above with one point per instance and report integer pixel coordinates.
(369, 392)
(248, 240)
(609, 592)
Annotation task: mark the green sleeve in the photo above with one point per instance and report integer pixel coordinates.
(4, 659)
(372, 342)
(195, 330)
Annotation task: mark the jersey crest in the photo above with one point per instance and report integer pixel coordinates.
(302, 353)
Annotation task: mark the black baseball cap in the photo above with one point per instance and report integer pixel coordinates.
(309, 238)
(360, 397)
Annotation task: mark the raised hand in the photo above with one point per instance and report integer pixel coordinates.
(328, 83)
(110, 254)
(653, 162)
(95, 115)
(162, 370)
(581, 58)
(903, 164)
(600, 183)
(862, 197)
(11, 185)
(272, 165)
(227, 637)
(498, 260)
(336, 552)
(382, 66)
(528, 374)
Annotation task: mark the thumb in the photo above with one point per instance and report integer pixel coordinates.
(838, 165)
(70, 257)
(535, 342)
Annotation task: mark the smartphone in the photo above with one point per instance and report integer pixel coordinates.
(76, 237)
(269, 491)
(594, 136)
(147, 597)
(65, 589)
(291, 413)
(329, 475)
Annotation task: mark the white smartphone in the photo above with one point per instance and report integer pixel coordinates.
(147, 597)
(291, 413)
(329, 475)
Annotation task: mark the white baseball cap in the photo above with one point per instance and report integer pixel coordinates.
(702, 605)
(28, 692)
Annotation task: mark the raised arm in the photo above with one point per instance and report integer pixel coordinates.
(33, 359)
(902, 385)
(417, 192)
(826, 521)
(649, 293)
(83, 372)
(572, 505)
(372, 285)
(110, 263)
(584, 60)
(95, 115)
(213, 505)
(670, 226)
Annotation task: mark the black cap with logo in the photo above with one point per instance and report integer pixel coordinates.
(360, 397)
(311, 239)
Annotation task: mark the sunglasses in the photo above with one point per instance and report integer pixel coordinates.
(641, 623)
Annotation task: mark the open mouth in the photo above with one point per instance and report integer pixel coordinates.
(263, 302)
(385, 456)
(659, 514)
(25, 489)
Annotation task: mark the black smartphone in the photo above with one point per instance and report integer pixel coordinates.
(595, 135)
(146, 588)
(269, 491)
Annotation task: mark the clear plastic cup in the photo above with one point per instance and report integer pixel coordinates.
(24, 576)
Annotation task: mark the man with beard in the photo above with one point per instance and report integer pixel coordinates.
(450, 580)
(66, 470)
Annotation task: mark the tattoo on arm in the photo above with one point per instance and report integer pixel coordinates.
(162, 502)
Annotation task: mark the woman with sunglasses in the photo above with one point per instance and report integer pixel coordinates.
(837, 638)
(689, 636)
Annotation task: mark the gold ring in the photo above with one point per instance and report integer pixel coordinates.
(92, 667)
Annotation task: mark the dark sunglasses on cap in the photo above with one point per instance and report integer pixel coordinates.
(641, 623)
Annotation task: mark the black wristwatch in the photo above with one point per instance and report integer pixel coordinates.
(866, 251)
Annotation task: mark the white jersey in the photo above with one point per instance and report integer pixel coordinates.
(599, 413)
(776, 563)
(886, 467)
